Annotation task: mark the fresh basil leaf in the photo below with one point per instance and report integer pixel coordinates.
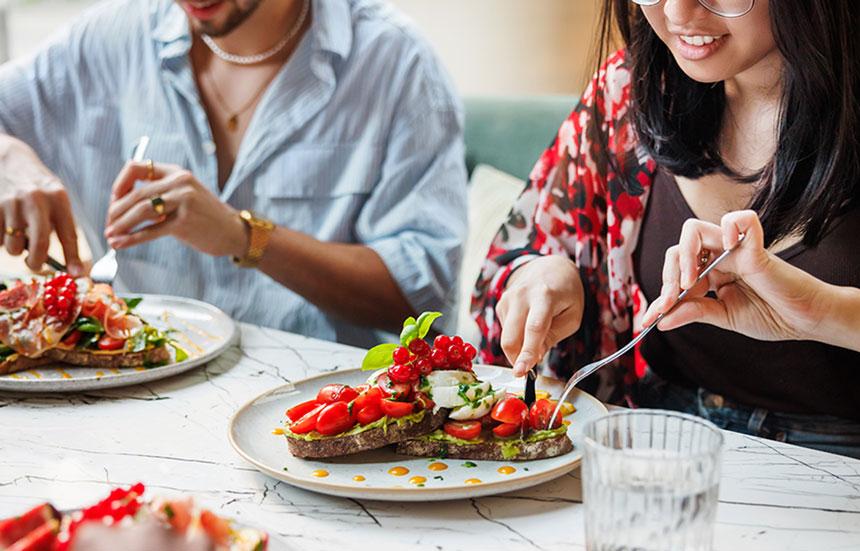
(88, 340)
(409, 334)
(409, 321)
(5, 352)
(425, 320)
(130, 303)
(378, 357)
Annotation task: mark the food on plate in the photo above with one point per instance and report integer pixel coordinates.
(76, 322)
(124, 520)
(427, 399)
(511, 431)
(391, 406)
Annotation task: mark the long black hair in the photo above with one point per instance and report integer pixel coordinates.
(815, 173)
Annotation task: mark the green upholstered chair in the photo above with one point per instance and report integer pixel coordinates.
(510, 133)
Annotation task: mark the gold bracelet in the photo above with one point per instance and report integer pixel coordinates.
(260, 232)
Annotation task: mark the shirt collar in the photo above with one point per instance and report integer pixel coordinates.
(331, 29)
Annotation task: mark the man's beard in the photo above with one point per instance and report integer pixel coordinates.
(236, 17)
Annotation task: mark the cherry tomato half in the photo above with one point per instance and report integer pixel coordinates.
(369, 414)
(507, 429)
(465, 430)
(72, 338)
(298, 411)
(510, 410)
(330, 394)
(540, 413)
(308, 422)
(424, 401)
(334, 419)
(396, 409)
(397, 391)
(110, 343)
(367, 398)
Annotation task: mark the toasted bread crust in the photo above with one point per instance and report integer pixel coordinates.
(367, 440)
(86, 358)
(487, 451)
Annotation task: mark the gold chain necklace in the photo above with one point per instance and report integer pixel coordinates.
(233, 118)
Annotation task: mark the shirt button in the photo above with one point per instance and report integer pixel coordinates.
(209, 147)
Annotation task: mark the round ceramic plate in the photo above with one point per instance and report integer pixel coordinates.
(201, 329)
(366, 475)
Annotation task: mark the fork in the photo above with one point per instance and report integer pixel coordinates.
(105, 269)
(587, 370)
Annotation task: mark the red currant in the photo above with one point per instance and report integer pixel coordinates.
(424, 366)
(400, 373)
(401, 355)
(438, 357)
(419, 347)
(458, 340)
(455, 354)
(469, 351)
(442, 342)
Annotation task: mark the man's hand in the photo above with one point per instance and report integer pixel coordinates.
(541, 305)
(33, 203)
(191, 212)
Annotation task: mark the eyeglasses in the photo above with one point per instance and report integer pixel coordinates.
(724, 8)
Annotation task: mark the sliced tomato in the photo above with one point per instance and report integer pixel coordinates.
(369, 414)
(179, 516)
(72, 338)
(510, 409)
(396, 409)
(507, 429)
(330, 394)
(364, 387)
(396, 391)
(215, 527)
(370, 397)
(424, 401)
(334, 419)
(540, 413)
(110, 343)
(308, 422)
(465, 430)
(298, 411)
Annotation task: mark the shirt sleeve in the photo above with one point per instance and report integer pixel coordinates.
(567, 208)
(416, 217)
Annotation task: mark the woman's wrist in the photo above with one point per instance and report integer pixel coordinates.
(841, 323)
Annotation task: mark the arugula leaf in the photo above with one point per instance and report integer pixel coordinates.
(130, 303)
(378, 357)
(181, 354)
(425, 320)
(86, 324)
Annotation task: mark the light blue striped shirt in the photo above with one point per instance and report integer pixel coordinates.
(357, 140)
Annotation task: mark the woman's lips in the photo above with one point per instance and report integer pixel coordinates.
(203, 11)
(694, 52)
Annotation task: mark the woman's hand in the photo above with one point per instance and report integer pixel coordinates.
(33, 203)
(757, 293)
(541, 305)
(191, 213)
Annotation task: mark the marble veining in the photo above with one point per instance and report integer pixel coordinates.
(171, 434)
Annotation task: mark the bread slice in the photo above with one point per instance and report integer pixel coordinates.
(86, 358)
(491, 450)
(369, 439)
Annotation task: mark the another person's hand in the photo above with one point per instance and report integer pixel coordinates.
(189, 211)
(541, 305)
(34, 203)
(757, 293)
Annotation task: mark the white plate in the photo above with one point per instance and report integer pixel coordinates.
(251, 434)
(201, 329)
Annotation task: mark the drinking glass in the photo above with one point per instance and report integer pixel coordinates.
(650, 481)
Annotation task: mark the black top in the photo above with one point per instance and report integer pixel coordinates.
(790, 376)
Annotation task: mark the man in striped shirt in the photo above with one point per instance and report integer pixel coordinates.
(318, 143)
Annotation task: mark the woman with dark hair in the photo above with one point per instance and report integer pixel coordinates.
(711, 107)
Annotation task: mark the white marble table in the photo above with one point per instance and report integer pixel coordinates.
(70, 449)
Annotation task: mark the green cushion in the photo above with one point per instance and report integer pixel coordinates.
(510, 133)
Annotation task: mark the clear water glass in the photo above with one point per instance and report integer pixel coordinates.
(650, 481)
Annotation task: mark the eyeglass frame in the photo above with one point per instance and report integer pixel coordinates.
(703, 4)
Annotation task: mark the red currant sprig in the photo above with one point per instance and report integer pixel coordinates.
(60, 296)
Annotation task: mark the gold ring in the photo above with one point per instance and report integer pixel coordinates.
(14, 232)
(704, 257)
(150, 169)
(157, 204)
